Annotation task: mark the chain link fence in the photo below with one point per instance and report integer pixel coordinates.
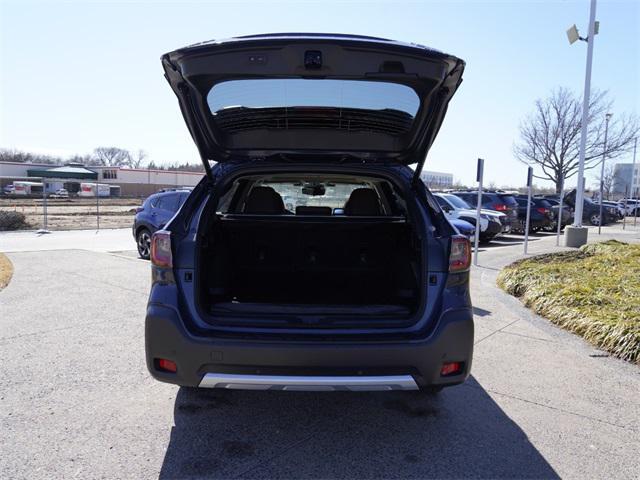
(34, 211)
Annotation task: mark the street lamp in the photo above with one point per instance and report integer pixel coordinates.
(604, 157)
(576, 235)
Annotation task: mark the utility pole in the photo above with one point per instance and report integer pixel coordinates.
(633, 176)
(528, 218)
(479, 175)
(576, 235)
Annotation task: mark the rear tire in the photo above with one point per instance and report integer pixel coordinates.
(594, 219)
(143, 242)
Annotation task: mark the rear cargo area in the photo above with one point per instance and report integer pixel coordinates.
(303, 265)
(310, 248)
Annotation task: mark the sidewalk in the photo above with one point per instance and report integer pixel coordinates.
(107, 240)
(493, 256)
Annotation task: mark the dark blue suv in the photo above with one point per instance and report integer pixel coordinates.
(311, 256)
(155, 213)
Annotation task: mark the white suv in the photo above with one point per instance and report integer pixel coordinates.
(491, 224)
(632, 206)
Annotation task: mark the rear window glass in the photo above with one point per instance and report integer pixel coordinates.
(297, 195)
(312, 194)
(442, 202)
(457, 202)
(292, 103)
(294, 92)
(509, 200)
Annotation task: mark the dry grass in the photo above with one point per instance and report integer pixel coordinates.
(594, 292)
(6, 270)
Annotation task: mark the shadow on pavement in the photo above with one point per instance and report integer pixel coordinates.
(460, 433)
(481, 312)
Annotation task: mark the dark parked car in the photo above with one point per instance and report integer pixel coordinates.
(465, 228)
(153, 215)
(567, 212)
(591, 210)
(357, 281)
(498, 201)
(541, 216)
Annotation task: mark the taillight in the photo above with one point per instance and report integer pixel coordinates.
(161, 249)
(460, 256)
(542, 210)
(500, 207)
(166, 365)
(451, 368)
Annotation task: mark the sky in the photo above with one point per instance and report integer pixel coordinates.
(78, 75)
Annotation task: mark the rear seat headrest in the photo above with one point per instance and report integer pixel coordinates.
(264, 201)
(363, 202)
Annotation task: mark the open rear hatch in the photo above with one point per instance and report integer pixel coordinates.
(321, 99)
(321, 96)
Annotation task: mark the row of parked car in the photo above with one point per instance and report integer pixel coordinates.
(501, 213)
(504, 212)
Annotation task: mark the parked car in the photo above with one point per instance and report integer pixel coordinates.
(591, 210)
(8, 189)
(153, 215)
(541, 216)
(631, 206)
(362, 283)
(496, 201)
(465, 228)
(490, 220)
(614, 206)
(60, 193)
(567, 213)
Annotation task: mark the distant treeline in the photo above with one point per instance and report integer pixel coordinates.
(101, 156)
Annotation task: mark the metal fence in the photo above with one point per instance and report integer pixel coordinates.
(52, 212)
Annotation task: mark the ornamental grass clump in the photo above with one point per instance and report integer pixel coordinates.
(594, 292)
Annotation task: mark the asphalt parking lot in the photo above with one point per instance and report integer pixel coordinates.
(76, 399)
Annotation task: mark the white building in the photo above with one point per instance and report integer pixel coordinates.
(626, 182)
(132, 181)
(437, 180)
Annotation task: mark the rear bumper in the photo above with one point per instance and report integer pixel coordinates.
(347, 363)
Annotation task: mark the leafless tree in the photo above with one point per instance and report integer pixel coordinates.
(12, 155)
(550, 136)
(138, 160)
(82, 159)
(111, 157)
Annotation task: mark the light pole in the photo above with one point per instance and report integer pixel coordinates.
(604, 157)
(633, 176)
(576, 235)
